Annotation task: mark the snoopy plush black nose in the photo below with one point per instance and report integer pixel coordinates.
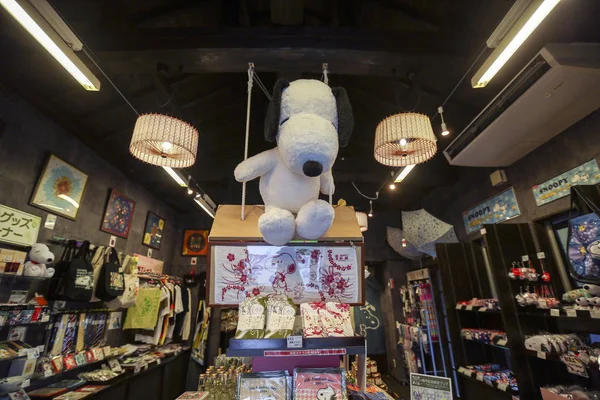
(312, 168)
(49, 260)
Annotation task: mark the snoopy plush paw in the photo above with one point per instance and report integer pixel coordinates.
(31, 269)
(277, 226)
(314, 219)
(49, 272)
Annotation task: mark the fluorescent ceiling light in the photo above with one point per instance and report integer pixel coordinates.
(37, 26)
(529, 21)
(404, 173)
(205, 206)
(176, 175)
(70, 200)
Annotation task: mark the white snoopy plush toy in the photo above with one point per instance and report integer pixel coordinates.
(309, 121)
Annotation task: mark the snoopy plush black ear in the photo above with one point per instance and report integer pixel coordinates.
(345, 116)
(274, 111)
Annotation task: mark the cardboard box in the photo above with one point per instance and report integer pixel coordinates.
(19, 258)
(6, 257)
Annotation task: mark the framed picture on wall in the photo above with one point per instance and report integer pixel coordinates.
(60, 188)
(195, 242)
(118, 215)
(153, 232)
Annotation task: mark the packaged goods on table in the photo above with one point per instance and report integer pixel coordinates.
(264, 385)
(319, 383)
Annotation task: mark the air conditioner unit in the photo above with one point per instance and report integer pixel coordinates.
(558, 88)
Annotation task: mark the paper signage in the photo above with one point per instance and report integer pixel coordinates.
(294, 342)
(499, 208)
(18, 227)
(149, 265)
(430, 387)
(560, 186)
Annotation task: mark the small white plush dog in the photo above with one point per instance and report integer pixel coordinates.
(38, 257)
(310, 121)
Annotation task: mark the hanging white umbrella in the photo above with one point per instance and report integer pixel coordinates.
(394, 238)
(424, 230)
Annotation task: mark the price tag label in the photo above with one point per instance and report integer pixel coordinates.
(112, 242)
(541, 255)
(294, 342)
(469, 308)
(541, 354)
(461, 370)
(555, 312)
(47, 373)
(467, 372)
(45, 318)
(502, 386)
(145, 366)
(502, 342)
(459, 306)
(158, 362)
(468, 336)
(572, 313)
(483, 231)
(137, 368)
(26, 383)
(480, 376)
(32, 353)
(483, 309)
(107, 351)
(595, 314)
(524, 258)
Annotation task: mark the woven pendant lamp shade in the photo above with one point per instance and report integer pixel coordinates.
(363, 221)
(404, 139)
(164, 141)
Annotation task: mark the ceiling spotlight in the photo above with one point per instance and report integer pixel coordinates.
(190, 191)
(198, 195)
(392, 186)
(445, 131)
(370, 208)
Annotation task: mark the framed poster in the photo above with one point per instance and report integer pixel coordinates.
(60, 188)
(195, 243)
(304, 273)
(118, 215)
(153, 232)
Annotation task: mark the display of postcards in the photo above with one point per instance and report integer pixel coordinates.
(17, 297)
(44, 367)
(69, 362)
(46, 392)
(4, 314)
(130, 361)
(98, 353)
(72, 396)
(89, 356)
(263, 385)
(57, 364)
(114, 365)
(17, 333)
(99, 375)
(6, 351)
(80, 358)
(20, 317)
(319, 383)
(18, 395)
(91, 388)
(68, 384)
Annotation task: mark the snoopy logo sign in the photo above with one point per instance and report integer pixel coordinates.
(497, 209)
(560, 186)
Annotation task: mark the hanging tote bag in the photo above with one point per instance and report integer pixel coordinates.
(584, 237)
(132, 285)
(78, 276)
(56, 286)
(111, 282)
(97, 262)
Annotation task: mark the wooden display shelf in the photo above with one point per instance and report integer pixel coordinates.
(228, 225)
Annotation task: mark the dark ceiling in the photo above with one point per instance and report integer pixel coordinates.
(189, 58)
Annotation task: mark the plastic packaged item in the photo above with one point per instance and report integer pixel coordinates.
(264, 385)
(281, 314)
(252, 316)
(319, 383)
(335, 318)
(311, 320)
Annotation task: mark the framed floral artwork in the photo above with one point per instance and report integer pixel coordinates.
(118, 215)
(153, 232)
(60, 188)
(195, 242)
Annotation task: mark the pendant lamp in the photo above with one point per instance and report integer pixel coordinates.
(164, 141)
(363, 221)
(404, 139)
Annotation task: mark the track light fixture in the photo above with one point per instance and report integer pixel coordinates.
(370, 208)
(445, 131)
(190, 191)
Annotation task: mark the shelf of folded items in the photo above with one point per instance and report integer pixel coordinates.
(355, 345)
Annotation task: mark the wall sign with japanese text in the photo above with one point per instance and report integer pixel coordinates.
(499, 208)
(560, 186)
(18, 227)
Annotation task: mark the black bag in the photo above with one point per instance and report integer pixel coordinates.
(76, 274)
(111, 282)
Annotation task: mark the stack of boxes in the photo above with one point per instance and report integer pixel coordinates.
(373, 375)
(12, 261)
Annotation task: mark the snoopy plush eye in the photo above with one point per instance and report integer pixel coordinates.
(284, 121)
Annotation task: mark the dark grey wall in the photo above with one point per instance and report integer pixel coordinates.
(25, 144)
(575, 146)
